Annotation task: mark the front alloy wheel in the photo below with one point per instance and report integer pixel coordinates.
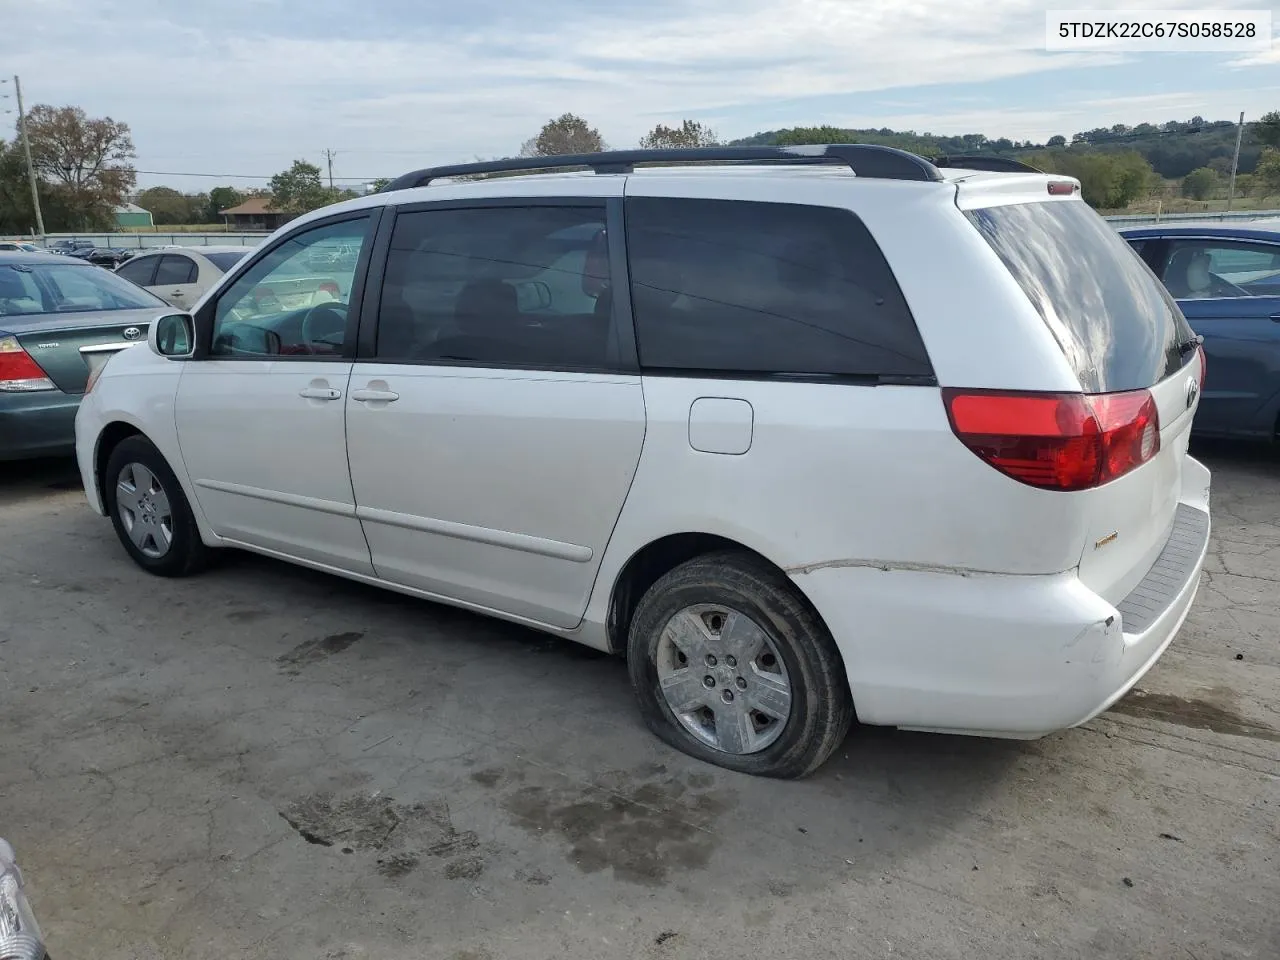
(144, 510)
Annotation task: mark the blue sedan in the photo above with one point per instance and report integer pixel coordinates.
(1226, 279)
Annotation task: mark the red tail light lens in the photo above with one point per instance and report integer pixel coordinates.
(1057, 441)
(1204, 365)
(18, 372)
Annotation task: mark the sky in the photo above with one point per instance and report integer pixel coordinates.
(245, 87)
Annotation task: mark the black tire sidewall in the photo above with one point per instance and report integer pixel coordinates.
(820, 698)
(187, 551)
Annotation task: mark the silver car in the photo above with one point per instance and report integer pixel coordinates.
(180, 276)
(20, 937)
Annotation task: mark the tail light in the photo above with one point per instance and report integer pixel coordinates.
(331, 288)
(18, 372)
(1057, 441)
(1204, 366)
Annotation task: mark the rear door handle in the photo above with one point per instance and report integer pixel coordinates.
(374, 396)
(1276, 317)
(320, 393)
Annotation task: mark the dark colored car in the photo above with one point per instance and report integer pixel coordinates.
(1226, 279)
(110, 257)
(58, 317)
(69, 246)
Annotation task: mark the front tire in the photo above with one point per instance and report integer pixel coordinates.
(150, 512)
(732, 666)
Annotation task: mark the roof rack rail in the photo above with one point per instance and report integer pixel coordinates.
(864, 159)
(987, 162)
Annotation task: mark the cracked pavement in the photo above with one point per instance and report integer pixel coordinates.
(268, 762)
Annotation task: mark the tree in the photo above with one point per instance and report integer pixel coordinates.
(564, 135)
(1267, 175)
(221, 198)
(1058, 141)
(299, 190)
(84, 159)
(1108, 181)
(1267, 129)
(166, 205)
(689, 134)
(379, 184)
(1199, 184)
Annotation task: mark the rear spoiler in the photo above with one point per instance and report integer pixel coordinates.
(986, 162)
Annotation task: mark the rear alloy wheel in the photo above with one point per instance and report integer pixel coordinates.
(730, 665)
(150, 512)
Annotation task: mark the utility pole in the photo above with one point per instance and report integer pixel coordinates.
(1235, 162)
(328, 155)
(26, 149)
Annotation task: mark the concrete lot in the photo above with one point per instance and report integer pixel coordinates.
(267, 762)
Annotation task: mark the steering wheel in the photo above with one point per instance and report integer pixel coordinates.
(324, 326)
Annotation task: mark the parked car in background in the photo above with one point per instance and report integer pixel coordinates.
(59, 318)
(110, 257)
(69, 246)
(1226, 280)
(724, 418)
(181, 275)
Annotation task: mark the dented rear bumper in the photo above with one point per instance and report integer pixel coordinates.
(1000, 655)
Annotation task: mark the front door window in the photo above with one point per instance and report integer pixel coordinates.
(294, 301)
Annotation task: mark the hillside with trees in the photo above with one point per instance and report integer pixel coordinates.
(1173, 149)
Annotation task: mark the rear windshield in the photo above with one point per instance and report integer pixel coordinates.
(1116, 324)
(67, 288)
(225, 261)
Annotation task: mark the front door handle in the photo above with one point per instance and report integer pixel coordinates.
(320, 393)
(374, 396)
(1276, 317)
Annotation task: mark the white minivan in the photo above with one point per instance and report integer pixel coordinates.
(807, 434)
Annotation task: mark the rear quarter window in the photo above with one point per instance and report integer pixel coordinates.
(1116, 324)
(736, 287)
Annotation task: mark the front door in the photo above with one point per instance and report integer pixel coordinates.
(260, 418)
(496, 424)
(1229, 291)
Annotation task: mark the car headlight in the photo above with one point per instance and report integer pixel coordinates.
(19, 934)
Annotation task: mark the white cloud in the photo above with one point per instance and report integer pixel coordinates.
(233, 88)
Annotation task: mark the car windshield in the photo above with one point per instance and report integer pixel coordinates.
(66, 288)
(225, 261)
(1114, 321)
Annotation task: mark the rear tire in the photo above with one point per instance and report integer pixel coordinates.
(778, 701)
(150, 512)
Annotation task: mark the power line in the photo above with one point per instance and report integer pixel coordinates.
(234, 176)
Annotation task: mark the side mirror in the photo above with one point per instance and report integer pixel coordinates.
(173, 335)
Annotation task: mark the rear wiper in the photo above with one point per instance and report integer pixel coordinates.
(1189, 344)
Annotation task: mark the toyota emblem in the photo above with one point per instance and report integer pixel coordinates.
(133, 333)
(1193, 391)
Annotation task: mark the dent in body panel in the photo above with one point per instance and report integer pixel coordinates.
(887, 566)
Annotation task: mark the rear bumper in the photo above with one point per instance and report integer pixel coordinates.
(39, 424)
(1007, 656)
